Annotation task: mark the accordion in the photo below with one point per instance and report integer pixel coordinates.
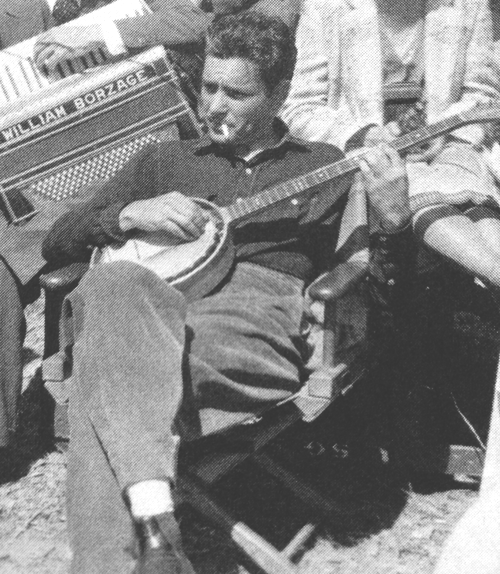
(85, 127)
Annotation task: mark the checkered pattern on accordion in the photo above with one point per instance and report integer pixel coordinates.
(68, 181)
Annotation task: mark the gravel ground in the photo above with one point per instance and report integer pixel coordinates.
(390, 528)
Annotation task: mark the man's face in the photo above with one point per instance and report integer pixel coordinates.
(235, 104)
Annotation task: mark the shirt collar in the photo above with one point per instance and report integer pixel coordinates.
(286, 141)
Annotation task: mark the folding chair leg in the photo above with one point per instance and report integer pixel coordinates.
(298, 541)
(263, 554)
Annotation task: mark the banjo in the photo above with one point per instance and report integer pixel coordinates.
(197, 267)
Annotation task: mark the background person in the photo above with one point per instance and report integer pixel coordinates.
(350, 52)
(20, 20)
(365, 67)
(19, 264)
(179, 24)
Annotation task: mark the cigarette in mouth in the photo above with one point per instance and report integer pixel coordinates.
(225, 131)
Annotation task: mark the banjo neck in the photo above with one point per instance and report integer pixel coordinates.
(246, 207)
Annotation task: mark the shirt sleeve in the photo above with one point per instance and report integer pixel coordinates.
(95, 223)
(307, 111)
(481, 75)
(171, 23)
(287, 10)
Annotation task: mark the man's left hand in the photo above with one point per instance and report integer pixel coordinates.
(386, 184)
(66, 42)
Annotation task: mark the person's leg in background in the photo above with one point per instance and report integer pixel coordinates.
(487, 221)
(21, 263)
(466, 238)
(440, 193)
(12, 329)
(473, 545)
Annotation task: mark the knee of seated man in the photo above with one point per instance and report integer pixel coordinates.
(108, 277)
(121, 279)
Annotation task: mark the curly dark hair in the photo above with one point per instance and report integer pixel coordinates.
(265, 41)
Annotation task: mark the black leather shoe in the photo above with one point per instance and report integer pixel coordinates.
(161, 547)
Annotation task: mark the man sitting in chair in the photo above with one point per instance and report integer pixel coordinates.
(142, 353)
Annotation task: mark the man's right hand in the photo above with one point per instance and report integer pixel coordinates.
(386, 185)
(66, 43)
(172, 213)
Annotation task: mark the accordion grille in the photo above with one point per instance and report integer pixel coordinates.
(67, 182)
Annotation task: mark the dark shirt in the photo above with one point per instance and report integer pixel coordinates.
(296, 238)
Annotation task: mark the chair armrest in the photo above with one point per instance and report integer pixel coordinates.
(336, 283)
(57, 284)
(64, 278)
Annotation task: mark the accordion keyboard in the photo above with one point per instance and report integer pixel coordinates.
(19, 75)
(67, 182)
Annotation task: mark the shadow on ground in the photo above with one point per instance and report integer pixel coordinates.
(31, 441)
(359, 494)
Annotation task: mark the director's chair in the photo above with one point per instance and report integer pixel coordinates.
(338, 298)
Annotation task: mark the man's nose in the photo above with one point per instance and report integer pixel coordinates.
(217, 104)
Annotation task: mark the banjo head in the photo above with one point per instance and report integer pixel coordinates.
(170, 260)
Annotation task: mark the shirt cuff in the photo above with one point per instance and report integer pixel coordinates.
(112, 38)
(109, 220)
(397, 230)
